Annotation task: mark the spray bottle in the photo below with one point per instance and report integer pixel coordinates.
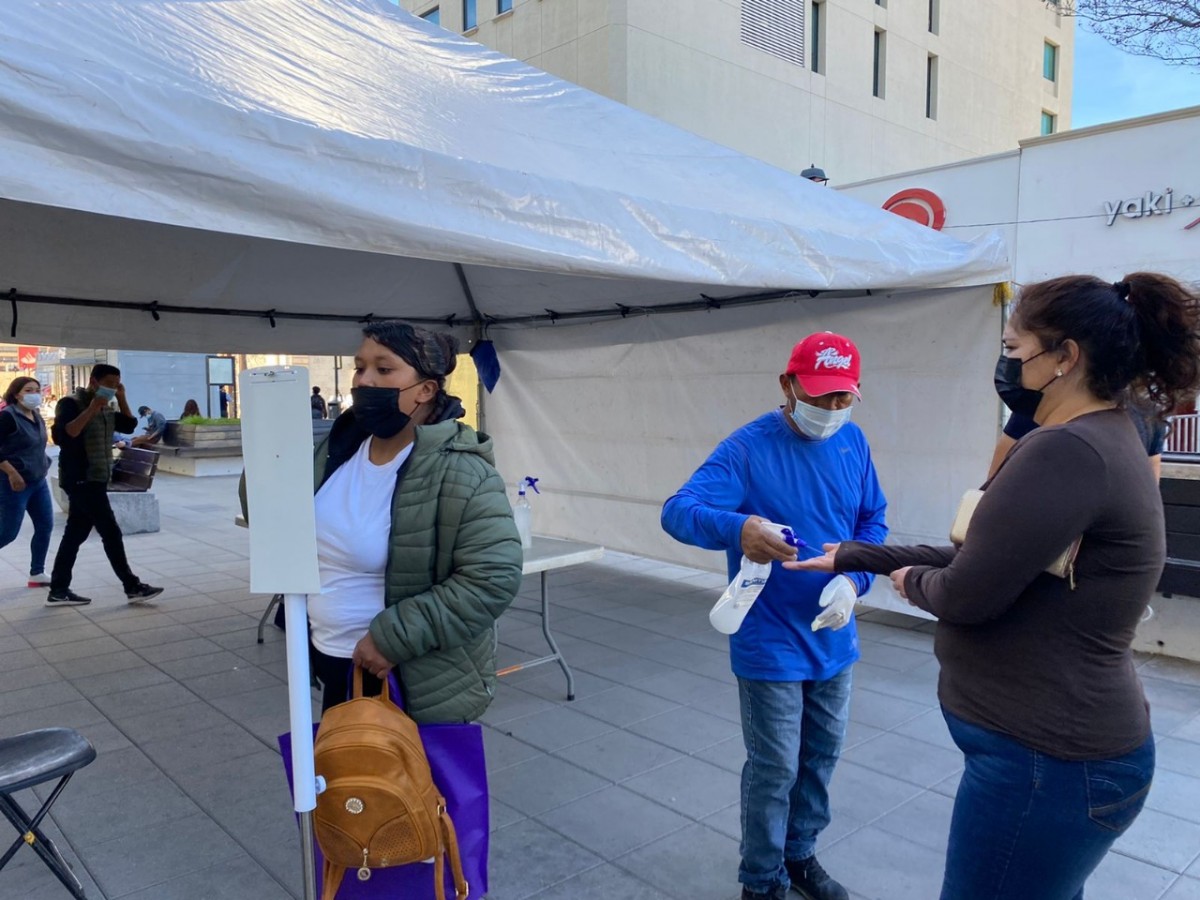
(523, 512)
(730, 610)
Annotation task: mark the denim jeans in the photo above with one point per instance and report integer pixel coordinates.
(34, 499)
(1027, 824)
(793, 732)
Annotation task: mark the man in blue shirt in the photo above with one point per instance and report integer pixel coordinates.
(807, 466)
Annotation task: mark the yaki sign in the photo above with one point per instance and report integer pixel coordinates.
(1152, 203)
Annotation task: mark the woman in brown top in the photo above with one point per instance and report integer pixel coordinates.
(1038, 685)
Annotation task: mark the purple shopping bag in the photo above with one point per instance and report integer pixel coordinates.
(459, 770)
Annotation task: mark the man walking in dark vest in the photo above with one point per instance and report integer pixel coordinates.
(83, 429)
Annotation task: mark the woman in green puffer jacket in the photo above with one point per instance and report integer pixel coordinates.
(417, 548)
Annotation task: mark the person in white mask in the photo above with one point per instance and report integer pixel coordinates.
(807, 466)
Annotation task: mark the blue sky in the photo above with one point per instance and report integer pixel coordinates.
(1112, 85)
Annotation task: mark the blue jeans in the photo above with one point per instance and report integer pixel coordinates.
(34, 499)
(1027, 824)
(793, 732)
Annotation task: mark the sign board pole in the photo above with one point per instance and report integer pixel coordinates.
(277, 445)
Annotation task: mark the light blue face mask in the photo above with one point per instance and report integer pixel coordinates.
(106, 393)
(818, 424)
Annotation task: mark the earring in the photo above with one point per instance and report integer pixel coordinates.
(1058, 373)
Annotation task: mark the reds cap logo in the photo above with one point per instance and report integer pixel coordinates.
(825, 363)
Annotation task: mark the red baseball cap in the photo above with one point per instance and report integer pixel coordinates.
(824, 363)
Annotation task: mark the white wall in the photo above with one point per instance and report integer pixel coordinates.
(162, 381)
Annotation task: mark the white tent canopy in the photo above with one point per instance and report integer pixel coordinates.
(338, 158)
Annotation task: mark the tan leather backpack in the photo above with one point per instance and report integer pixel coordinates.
(380, 807)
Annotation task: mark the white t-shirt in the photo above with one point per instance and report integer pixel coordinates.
(354, 526)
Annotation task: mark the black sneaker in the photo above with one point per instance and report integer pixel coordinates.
(779, 892)
(812, 882)
(66, 598)
(142, 593)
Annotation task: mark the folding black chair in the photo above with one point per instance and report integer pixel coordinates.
(30, 759)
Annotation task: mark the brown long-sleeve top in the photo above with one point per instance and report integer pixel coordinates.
(1021, 652)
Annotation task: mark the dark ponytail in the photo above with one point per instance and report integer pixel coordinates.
(1168, 317)
(1141, 335)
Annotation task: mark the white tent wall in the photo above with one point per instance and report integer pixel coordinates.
(614, 417)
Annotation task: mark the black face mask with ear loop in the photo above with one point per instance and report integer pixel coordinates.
(1021, 400)
(377, 409)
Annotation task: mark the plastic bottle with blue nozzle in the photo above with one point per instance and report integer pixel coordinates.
(523, 512)
(731, 609)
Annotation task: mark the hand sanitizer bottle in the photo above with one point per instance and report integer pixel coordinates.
(731, 609)
(523, 512)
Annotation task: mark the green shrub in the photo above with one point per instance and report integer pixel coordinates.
(204, 420)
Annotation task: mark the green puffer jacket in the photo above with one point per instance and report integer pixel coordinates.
(453, 568)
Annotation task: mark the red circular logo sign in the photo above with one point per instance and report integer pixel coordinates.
(921, 206)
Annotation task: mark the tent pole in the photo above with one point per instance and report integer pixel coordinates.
(304, 780)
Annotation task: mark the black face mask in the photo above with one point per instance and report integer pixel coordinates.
(377, 409)
(1021, 400)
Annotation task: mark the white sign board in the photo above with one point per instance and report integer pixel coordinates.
(277, 446)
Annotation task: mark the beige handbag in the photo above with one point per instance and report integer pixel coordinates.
(1063, 567)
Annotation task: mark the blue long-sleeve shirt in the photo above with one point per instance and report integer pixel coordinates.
(827, 491)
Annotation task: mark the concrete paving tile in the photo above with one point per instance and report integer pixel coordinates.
(12, 643)
(864, 794)
(157, 637)
(205, 664)
(255, 704)
(1162, 840)
(906, 758)
(924, 820)
(501, 750)
(876, 864)
(538, 785)
(152, 855)
(189, 752)
(236, 879)
(224, 625)
(70, 634)
(512, 703)
(881, 711)
(501, 815)
(1120, 877)
(1184, 889)
(690, 786)
(31, 676)
(553, 685)
(604, 882)
(686, 729)
(1188, 731)
(619, 755)
(73, 714)
(589, 821)
(260, 654)
(118, 769)
(27, 698)
(128, 704)
(195, 646)
(104, 736)
(682, 687)
(556, 728)
(194, 717)
(695, 863)
(123, 680)
(930, 728)
(244, 678)
(16, 661)
(623, 705)
(94, 818)
(526, 858)
(727, 821)
(729, 754)
(99, 665)
(1178, 756)
(81, 649)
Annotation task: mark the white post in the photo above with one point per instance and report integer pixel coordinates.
(277, 445)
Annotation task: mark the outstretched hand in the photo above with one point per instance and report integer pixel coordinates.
(826, 563)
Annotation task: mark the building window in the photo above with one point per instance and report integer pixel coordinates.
(1049, 122)
(931, 80)
(1050, 61)
(503, 6)
(775, 27)
(470, 15)
(935, 14)
(882, 3)
(880, 63)
(434, 15)
(816, 34)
